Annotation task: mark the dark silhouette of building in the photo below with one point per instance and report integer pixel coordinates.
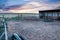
(50, 14)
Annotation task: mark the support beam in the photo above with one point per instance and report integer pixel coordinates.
(58, 14)
(4, 23)
(15, 37)
(52, 14)
(2, 35)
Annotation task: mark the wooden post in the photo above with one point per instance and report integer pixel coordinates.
(18, 16)
(47, 15)
(58, 14)
(21, 16)
(4, 23)
(52, 16)
(44, 16)
(39, 15)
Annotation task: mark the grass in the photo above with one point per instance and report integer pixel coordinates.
(48, 20)
(1, 31)
(13, 18)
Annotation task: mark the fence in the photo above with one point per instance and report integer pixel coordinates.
(20, 15)
(5, 33)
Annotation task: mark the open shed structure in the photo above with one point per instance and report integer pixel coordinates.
(50, 14)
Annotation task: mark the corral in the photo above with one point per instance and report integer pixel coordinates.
(33, 29)
(36, 30)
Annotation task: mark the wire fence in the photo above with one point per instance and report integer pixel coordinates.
(20, 15)
(5, 33)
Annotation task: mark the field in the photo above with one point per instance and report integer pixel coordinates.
(32, 27)
(35, 30)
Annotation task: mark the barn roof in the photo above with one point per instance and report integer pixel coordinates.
(54, 10)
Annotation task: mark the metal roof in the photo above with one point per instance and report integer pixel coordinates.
(54, 10)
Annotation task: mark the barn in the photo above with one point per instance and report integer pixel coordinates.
(50, 14)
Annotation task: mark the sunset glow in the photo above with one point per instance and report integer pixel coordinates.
(30, 6)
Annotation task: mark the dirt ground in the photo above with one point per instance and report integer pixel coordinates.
(36, 30)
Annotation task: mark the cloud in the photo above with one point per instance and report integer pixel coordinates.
(26, 0)
(1, 11)
(58, 7)
(34, 7)
(46, 1)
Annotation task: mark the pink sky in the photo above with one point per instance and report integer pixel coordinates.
(32, 7)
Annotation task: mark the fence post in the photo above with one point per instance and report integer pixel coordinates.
(2, 35)
(5, 25)
(21, 16)
(18, 16)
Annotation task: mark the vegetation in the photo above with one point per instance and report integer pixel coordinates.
(1, 31)
(13, 18)
(48, 20)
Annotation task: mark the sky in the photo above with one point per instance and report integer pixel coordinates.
(28, 6)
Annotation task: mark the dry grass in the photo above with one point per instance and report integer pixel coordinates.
(36, 30)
